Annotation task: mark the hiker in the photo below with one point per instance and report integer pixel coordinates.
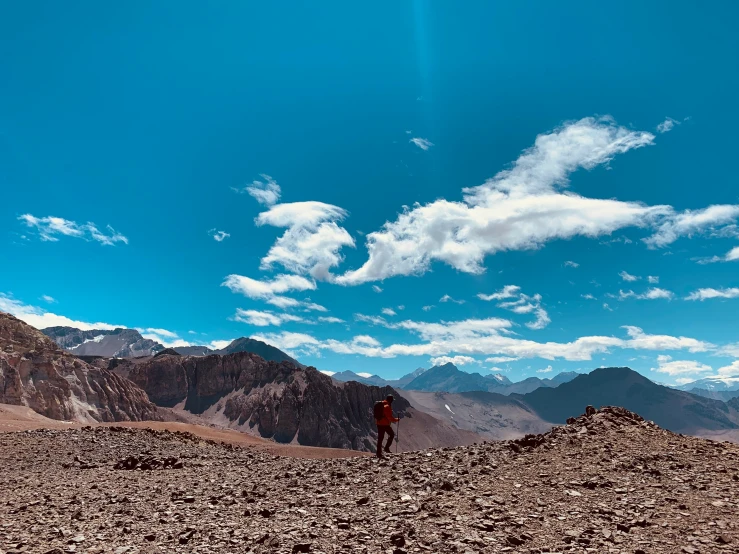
(383, 418)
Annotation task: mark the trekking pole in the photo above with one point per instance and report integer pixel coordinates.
(397, 435)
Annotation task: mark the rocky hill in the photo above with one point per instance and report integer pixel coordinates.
(673, 409)
(116, 343)
(261, 349)
(276, 400)
(608, 482)
(36, 373)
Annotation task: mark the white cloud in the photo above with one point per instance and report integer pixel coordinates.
(652, 279)
(489, 337)
(265, 192)
(500, 359)
(570, 263)
(388, 311)
(447, 298)
(641, 341)
(49, 228)
(656, 293)
(454, 360)
(167, 342)
(667, 125)
(329, 373)
(401, 307)
(520, 208)
(218, 236)
(376, 288)
(708, 293)
(313, 240)
(422, 143)
(653, 293)
(679, 367)
(587, 296)
(524, 304)
(730, 370)
(731, 256)
(162, 332)
(330, 319)
(41, 319)
(547, 369)
(48, 299)
(508, 291)
(219, 344)
(607, 307)
(428, 308)
(271, 291)
(628, 277)
(265, 318)
(692, 222)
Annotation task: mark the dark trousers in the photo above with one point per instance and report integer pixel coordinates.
(383, 430)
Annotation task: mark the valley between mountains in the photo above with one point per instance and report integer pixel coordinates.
(252, 452)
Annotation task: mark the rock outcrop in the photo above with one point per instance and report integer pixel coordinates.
(275, 400)
(35, 372)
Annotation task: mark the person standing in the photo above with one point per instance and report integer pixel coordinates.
(384, 425)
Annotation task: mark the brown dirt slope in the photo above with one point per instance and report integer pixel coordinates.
(492, 416)
(608, 482)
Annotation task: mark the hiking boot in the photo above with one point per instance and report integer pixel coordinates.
(387, 451)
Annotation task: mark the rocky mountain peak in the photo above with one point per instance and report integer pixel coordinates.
(35, 372)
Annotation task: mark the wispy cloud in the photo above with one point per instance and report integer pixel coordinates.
(447, 298)
(587, 296)
(652, 279)
(265, 192)
(692, 222)
(731, 256)
(48, 299)
(388, 311)
(523, 304)
(667, 125)
(41, 319)
(265, 318)
(51, 228)
(483, 337)
(679, 367)
(570, 263)
(271, 291)
(218, 236)
(519, 209)
(422, 143)
(628, 277)
(376, 289)
(454, 360)
(547, 369)
(653, 293)
(709, 293)
(330, 319)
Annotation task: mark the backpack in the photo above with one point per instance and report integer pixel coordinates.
(379, 410)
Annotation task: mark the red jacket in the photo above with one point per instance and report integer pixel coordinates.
(388, 411)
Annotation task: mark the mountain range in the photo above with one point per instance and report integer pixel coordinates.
(128, 343)
(448, 378)
(719, 388)
(283, 401)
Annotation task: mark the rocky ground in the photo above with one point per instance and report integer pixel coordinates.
(607, 482)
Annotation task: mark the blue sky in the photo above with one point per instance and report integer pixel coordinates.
(354, 161)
